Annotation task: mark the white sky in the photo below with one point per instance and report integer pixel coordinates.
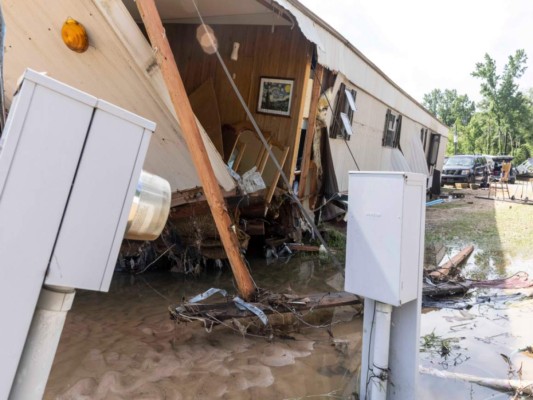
(426, 44)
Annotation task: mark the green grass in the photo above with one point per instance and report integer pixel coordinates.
(497, 233)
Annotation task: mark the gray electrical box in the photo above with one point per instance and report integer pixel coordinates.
(69, 166)
(385, 240)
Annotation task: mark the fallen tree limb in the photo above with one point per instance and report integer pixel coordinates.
(455, 262)
(502, 385)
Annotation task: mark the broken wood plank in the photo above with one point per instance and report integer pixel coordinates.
(522, 387)
(454, 262)
(182, 107)
(195, 195)
(271, 174)
(313, 108)
(276, 303)
(302, 247)
(446, 289)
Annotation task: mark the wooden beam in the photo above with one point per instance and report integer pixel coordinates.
(454, 262)
(167, 63)
(308, 145)
(300, 119)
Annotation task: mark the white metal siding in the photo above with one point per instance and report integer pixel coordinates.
(119, 67)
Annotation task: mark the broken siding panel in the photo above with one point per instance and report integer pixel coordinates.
(442, 151)
(118, 67)
(282, 53)
(411, 146)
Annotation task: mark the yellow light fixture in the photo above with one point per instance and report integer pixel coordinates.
(74, 35)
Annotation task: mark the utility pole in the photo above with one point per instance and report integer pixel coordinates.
(455, 140)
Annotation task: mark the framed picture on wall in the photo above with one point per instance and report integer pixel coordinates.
(275, 96)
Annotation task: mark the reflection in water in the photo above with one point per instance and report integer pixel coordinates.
(479, 336)
(122, 345)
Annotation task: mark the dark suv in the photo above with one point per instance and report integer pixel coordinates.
(465, 169)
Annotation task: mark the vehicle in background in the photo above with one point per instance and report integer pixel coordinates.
(490, 162)
(497, 169)
(465, 169)
(525, 169)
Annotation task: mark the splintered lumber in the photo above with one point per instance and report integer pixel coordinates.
(178, 95)
(302, 247)
(273, 303)
(446, 289)
(455, 262)
(521, 387)
(308, 144)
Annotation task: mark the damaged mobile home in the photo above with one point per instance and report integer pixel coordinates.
(322, 107)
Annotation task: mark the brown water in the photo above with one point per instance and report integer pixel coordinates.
(122, 345)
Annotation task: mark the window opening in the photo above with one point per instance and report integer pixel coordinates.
(393, 127)
(341, 126)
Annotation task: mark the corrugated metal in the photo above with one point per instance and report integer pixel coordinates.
(414, 154)
(118, 67)
(393, 160)
(337, 54)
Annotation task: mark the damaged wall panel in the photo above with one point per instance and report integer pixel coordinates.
(119, 67)
(282, 53)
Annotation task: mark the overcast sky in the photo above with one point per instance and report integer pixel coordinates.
(423, 44)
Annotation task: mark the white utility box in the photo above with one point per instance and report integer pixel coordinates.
(384, 246)
(69, 168)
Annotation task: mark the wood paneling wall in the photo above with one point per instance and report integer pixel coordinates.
(281, 53)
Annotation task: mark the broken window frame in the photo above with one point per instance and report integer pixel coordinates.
(424, 138)
(341, 125)
(392, 130)
(433, 153)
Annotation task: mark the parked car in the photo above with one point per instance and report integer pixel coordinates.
(465, 169)
(526, 168)
(497, 169)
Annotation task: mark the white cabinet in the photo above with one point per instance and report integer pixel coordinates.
(385, 241)
(69, 166)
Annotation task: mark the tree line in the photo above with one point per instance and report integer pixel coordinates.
(501, 123)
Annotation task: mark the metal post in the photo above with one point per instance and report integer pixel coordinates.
(380, 369)
(41, 343)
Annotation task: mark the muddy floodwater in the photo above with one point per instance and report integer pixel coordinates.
(122, 344)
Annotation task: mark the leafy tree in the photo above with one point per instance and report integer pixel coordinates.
(504, 122)
(449, 106)
(503, 103)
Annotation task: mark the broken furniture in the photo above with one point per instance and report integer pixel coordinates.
(244, 150)
(503, 183)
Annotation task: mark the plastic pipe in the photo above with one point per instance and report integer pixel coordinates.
(434, 202)
(378, 389)
(41, 343)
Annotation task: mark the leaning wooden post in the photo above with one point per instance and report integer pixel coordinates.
(167, 63)
(308, 144)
